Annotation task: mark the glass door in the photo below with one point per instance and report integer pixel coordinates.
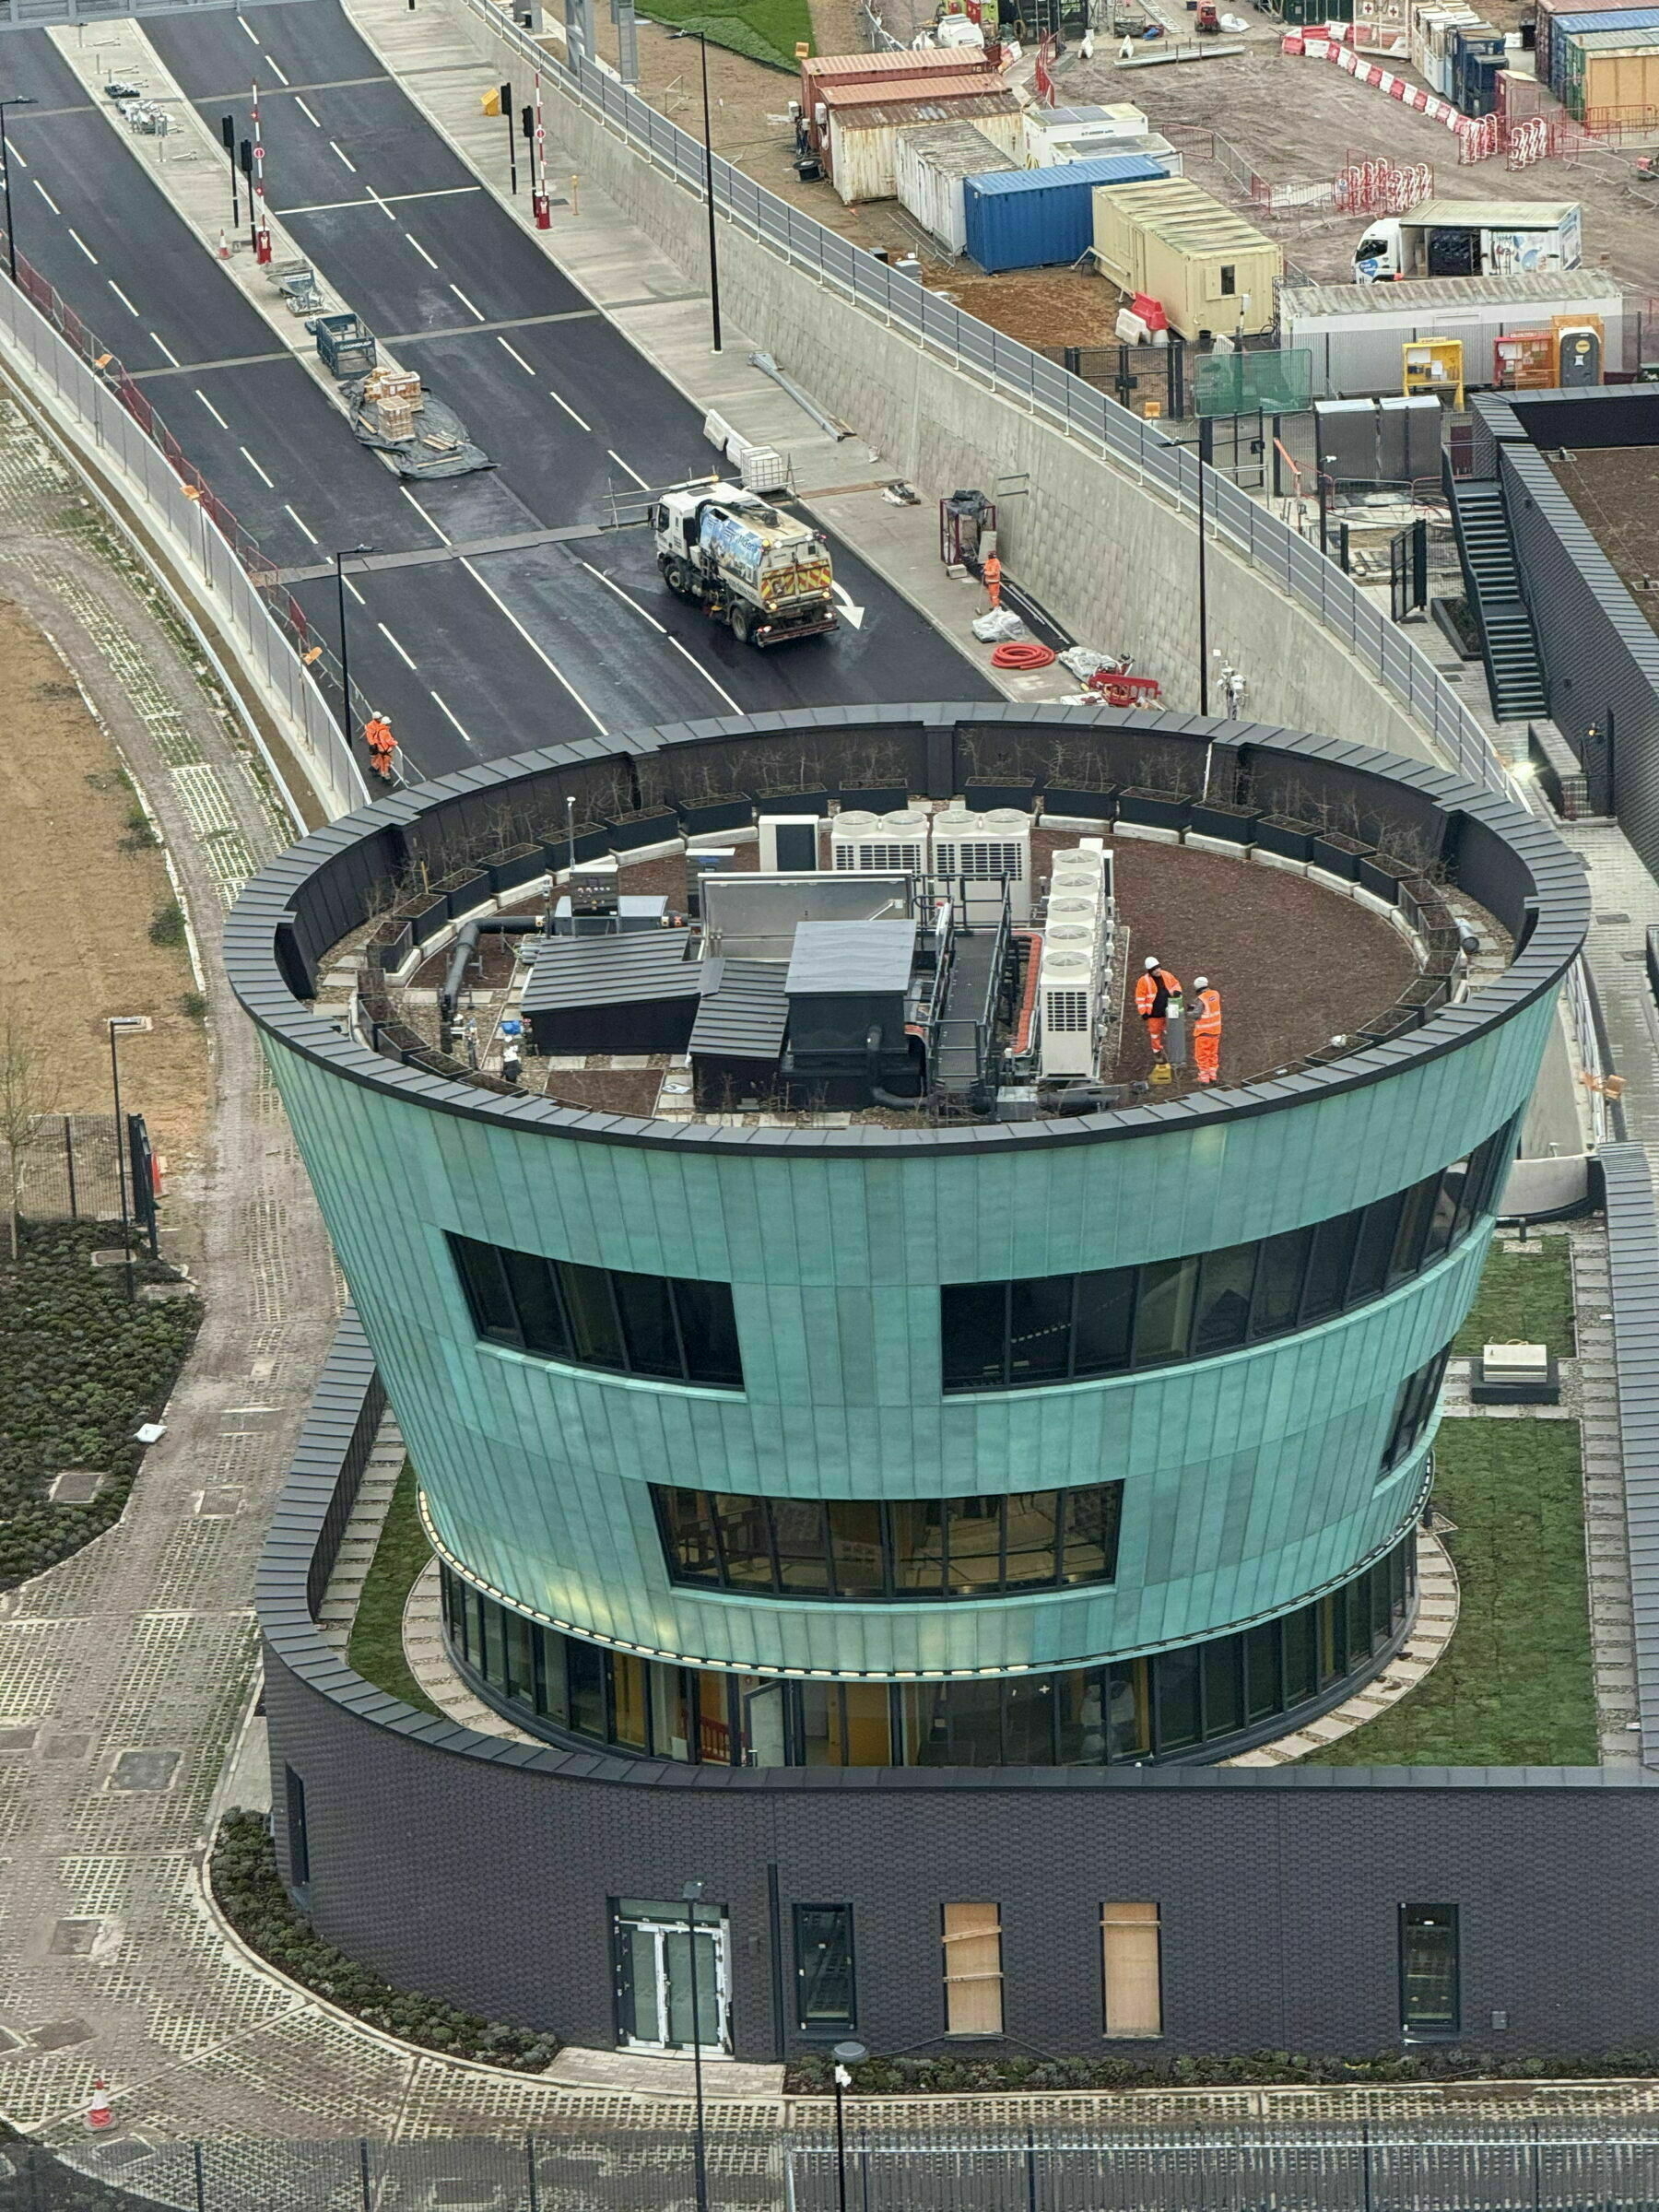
(671, 1980)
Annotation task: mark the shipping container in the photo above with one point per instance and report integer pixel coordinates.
(1208, 268)
(883, 68)
(1431, 33)
(1557, 16)
(1476, 51)
(1123, 119)
(1033, 218)
(1600, 33)
(1609, 69)
(862, 146)
(1354, 333)
(929, 165)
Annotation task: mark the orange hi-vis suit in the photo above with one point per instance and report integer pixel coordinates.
(1153, 990)
(992, 575)
(1206, 1034)
(377, 735)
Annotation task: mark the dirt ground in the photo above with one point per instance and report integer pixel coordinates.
(1616, 489)
(77, 901)
(1296, 965)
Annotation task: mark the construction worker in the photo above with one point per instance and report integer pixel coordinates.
(1154, 987)
(377, 734)
(1207, 1029)
(992, 576)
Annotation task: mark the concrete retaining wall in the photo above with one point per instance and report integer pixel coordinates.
(1108, 555)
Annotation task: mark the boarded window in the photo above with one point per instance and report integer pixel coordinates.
(1131, 1942)
(973, 1996)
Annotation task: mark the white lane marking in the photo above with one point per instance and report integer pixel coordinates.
(453, 717)
(843, 599)
(350, 164)
(353, 589)
(166, 348)
(421, 249)
(396, 648)
(425, 517)
(47, 197)
(571, 411)
(303, 524)
(16, 157)
(277, 68)
(389, 212)
(467, 304)
(634, 472)
(306, 113)
(85, 248)
(252, 33)
(120, 295)
(534, 648)
(259, 472)
(661, 632)
(517, 356)
(213, 410)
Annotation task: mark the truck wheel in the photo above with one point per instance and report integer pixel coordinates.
(674, 577)
(742, 623)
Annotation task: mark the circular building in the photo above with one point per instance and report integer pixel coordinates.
(850, 1334)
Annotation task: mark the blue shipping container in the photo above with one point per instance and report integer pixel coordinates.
(1553, 32)
(1025, 218)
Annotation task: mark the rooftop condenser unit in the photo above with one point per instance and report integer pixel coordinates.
(989, 850)
(886, 844)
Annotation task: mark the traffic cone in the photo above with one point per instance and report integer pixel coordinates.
(223, 251)
(99, 2115)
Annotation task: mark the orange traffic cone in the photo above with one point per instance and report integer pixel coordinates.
(98, 2113)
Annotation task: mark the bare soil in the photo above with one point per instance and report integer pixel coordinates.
(77, 897)
(1039, 307)
(1616, 489)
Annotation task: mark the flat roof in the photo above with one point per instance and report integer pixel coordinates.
(836, 957)
(927, 107)
(1424, 295)
(1491, 214)
(612, 970)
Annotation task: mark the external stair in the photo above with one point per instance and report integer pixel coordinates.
(1514, 668)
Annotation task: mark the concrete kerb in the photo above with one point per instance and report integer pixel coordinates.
(1105, 562)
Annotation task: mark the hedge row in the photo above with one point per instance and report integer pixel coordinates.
(1254, 2069)
(251, 1895)
(81, 1368)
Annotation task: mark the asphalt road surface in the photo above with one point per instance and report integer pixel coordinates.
(471, 655)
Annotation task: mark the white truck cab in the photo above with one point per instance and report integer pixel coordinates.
(766, 574)
(1471, 238)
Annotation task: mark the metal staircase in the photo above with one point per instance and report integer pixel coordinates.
(1508, 646)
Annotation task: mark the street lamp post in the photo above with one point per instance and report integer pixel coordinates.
(1207, 446)
(1325, 497)
(692, 1895)
(118, 1022)
(345, 553)
(846, 2056)
(15, 99)
(708, 186)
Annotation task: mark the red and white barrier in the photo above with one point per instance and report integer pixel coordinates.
(1475, 141)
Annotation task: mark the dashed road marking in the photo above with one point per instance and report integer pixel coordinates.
(571, 411)
(213, 410)
(85, 248)
(345, 157)
(309, 532)
(396, 648)
(259, 472)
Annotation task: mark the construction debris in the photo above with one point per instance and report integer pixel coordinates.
(391, 412)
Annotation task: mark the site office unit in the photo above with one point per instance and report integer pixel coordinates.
(826, 1598)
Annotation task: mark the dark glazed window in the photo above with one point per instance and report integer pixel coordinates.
(299, 1835)
(856, 1548)
(1414, 1409)
(639, 1324)
(826, 2001)
(1430, 2002)
(1059, 1328)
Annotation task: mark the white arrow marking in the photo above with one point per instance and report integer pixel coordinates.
(854, 615)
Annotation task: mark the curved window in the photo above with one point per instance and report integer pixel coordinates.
(1414, 1409)
(906, 1548)
(675, 1329)
(1172, 1704)
(1063, 1328)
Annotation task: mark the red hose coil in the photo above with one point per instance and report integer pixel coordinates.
(1024, 652)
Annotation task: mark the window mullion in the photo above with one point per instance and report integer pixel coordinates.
(679, 1333)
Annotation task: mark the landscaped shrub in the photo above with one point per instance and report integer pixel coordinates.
(1252, 2069)
(81, 1368)
(167, 928)
(251, 1895)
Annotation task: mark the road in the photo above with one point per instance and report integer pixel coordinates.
(470, 655)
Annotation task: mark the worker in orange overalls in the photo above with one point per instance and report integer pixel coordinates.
(1207, 1029)
(992, 575)
(377, 734)
(1154, 988)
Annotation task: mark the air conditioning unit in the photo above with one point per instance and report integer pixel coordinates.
(1068, 990)
(990, 850)
(789, 843)
(887, 844)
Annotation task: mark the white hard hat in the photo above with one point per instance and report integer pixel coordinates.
(1201, 982)
(1151, 963)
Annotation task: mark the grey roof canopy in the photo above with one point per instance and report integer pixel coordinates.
(299, 906)
(834, 956)
(745, 1013)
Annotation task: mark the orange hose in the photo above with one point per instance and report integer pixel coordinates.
(1023, 653)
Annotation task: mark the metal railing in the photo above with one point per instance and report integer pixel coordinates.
(1005, 366)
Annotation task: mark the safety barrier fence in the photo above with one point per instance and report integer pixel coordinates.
(789, 2161)
(63, 359)
(68, 1168)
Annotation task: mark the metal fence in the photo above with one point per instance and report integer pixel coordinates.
(69, 1169)
(772, 2164)
(66, 365)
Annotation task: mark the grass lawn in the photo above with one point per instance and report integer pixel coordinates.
(1525, 1300)
(767, 31)
(1516, 1688)
(376, 1647)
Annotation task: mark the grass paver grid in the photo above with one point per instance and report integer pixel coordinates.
(1525, 1297)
